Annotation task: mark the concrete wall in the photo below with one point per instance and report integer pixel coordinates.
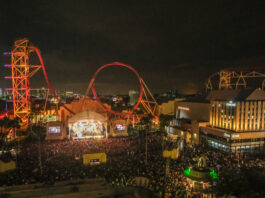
(168, 108)
(193, 110)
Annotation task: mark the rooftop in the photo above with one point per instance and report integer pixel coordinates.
(237, 94)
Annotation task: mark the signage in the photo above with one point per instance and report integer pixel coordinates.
(51, 118)
(230, 104)
(7, 166)
(94, 158)
(235, 136)
(227, 135)
(183, 108)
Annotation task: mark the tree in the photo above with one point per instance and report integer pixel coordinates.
(146, 123)
(7, 125)
(35, 133)
(145, 126)
(244, 182)
(165, 121)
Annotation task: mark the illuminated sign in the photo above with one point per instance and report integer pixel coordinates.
(120, 127)
(183, 108)
(235, 136)
(230, 104)
(94, 158)
(54, 129)
(226, 135)
(51, 118)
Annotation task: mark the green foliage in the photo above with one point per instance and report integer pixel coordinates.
(145, 123)
(35, 133)
(5, 195)
(161, 133)
(245, 182)
(165, 121)
(6, 125)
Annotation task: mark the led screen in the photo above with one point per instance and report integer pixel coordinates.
(120, 127)
(54, 129)
(87, 129)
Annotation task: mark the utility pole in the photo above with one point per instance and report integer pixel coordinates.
(146, 148)
(167, 167)
(40, 163)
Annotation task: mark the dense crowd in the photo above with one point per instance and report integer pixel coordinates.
(53, 161)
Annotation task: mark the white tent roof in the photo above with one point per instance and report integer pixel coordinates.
(88, 115)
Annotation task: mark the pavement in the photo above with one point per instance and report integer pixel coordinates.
(85, 188)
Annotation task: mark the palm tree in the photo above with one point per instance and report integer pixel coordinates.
(146, 122)
(4, 123)
(164, 120)
(7, 125)
(145, 126)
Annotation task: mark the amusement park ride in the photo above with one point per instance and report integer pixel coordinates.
(233, 79)
(22, 71)
(145, 98)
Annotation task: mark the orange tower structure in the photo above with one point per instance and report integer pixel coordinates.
(22, 71)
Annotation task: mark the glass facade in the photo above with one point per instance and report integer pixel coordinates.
(234, 146)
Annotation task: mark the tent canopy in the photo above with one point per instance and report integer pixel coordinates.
(88, 115)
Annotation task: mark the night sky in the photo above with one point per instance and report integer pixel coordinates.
(172, 44)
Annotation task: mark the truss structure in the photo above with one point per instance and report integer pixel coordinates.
(22, 71)
(149, 102)
(145, 97)
(233, 79)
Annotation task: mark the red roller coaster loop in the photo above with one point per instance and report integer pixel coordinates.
(107, 108)
(46, 77)
(44, 71)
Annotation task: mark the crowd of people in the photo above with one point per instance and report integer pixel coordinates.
(53, 161)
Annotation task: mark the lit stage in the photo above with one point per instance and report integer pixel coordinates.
(83, 129)
(87, 124)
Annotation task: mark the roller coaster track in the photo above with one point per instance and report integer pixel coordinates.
(47, 79)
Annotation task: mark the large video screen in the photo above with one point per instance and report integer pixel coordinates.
(54, 129)
(120, 127)
(87, 129)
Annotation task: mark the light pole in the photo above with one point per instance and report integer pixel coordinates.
(146, 148)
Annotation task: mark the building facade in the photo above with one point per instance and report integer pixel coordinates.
(190, 115)
(133, 95)
(236, 121)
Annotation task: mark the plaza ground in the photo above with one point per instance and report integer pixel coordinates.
(85, 188)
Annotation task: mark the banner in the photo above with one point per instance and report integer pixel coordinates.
(94, 158)
(51, 118)
(166, 154)
(174, 154)
(7, 166)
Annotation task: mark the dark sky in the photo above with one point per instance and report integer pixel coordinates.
(172, 44)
